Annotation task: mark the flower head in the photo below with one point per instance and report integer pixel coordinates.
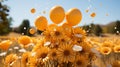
(105, 50)
(117, 49)
(81, 61)
(4, 45)
(10, 59)
(65, 53)
(24, 40)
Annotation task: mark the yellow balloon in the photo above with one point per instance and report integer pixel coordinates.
(32, 31)
(41, 23)
(57, 14)
(73, 16)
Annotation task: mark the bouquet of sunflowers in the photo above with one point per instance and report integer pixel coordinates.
(59, 45)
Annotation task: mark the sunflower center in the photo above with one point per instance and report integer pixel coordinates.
(66, 52)
(83, 51)
(43, 55)
(57, 33)
(56, 46)
(79, 41)
(26, 59)
(105, 51)
(78, 62)
(118, 49)
(106, 45)
(11, 62)
(63, 40)
(54, 54)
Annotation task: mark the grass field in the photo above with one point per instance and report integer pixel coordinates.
(96, 43)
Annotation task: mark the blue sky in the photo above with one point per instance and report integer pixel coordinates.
(20, 10)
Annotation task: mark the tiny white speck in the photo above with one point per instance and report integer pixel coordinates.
(78, 35)
(16, 48)
(22, 50)
(3, 53)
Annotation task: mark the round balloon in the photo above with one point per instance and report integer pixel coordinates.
(57, 14)
(33, 10)
(73, 16)
(32, 31)
(41, 23)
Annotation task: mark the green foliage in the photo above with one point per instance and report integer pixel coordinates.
(98, 30)
(39, 32)
(91, 29)
(4, 21)
(117, 25)
(24, 27)
(111, 28)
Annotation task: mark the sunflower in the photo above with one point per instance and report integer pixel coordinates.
(24, 41)
(67, 29)
(34, 40)
(52, 27)
(39, 44)
(58, 32)
(25, 58)
(10, 59)
(105, 50)
(116, 64)
(42, 53)
(4, 45)
(81, 61)
(55, 45)
(47, 34)
(32, 61)
(78, 40)
(65, 53)
(78, 30)
(85, 48)
(117, 49)
(64, 40)
(53, 54)
(107, 44)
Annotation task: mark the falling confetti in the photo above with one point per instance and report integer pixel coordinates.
(87, 10)
(93, 14)
(44, 12)
(33, 10)
(107, 14)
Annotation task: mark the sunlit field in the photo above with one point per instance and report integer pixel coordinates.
(57, 39)
(92, 51)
